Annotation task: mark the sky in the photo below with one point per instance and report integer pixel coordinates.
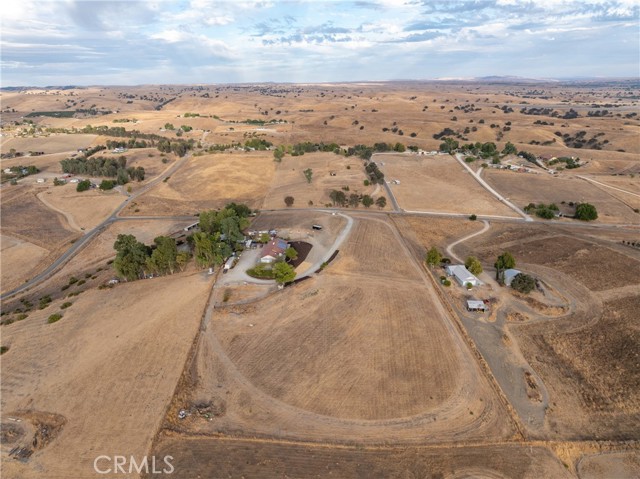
(104, 42)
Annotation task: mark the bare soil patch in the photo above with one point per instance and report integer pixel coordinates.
(330, 172)
(19, 259)
(26, 217)
(207, 182)
(69, 368)
(523, 189)
(87, 209)
(590, 368)
(217, 457)
(438, 183)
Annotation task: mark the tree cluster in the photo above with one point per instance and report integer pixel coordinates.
(374, 173)
(542, 210)
(504, 262)
(134, 260)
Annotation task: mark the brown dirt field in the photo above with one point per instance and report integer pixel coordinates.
(307, 367)
(597, 267)
(523, 189)
(54, 143)
(112, 401)
(220, 457)
(631, 186)
(19, 259)
(618, 465)
(87, 209)
(589, 367)
(438, 183)
(437, 232)
(26, 217)
(289, 180)
(316, 353)
(210, 181)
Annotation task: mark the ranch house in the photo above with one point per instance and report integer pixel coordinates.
(273, 251)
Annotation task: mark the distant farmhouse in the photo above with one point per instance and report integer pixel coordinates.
(273, 251)
(462, 275)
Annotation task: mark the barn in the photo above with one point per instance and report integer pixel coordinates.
(462, 275)
(509, 274)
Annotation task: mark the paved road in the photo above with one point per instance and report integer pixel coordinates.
(84, 240)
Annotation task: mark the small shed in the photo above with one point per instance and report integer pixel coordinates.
(476, 305)
(509, 274)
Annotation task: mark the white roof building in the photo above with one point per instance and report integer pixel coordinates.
(475, 305)
(509, 274)
(462, 275)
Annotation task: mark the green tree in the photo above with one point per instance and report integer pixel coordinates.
(308, 174)
(230, 228)
(122, 177)
(283, 273)
(278, 153)
(523, 283)
(473, 265)
(586, 212)
(131, 257)
(163, 259)
(291, 253)
(338, 197)
(209, 250)
(509, 149)
(182, 259)
(449, 145)
(264, 238)
(367, 201)
(354, 200)
(107, 185)
(381, 202)
(83, 185)
(505, 261)
(288, 200)
(168, 126)
(433, 257)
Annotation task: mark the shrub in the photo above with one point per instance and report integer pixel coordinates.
(523, 283)
(54, 317)
(288, 200)
(586, 212)
(22, 316)
(66, 305)
(473, 217)
(107, 185)
(73, 280)
(4, 349)
(44, 302)
(446, 282)
(84, 185)
(227, 295)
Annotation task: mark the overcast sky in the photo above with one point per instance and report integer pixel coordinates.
(98, 42)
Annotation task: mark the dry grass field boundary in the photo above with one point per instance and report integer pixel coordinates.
(69, 368)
